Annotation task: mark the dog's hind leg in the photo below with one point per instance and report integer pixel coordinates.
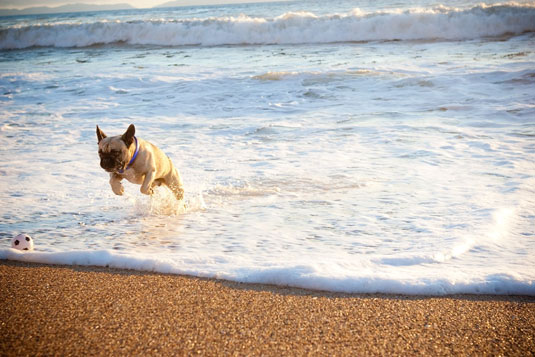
(157, 183)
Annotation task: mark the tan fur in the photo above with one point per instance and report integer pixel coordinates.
(151, 167)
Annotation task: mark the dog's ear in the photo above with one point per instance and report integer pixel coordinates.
(100, 134)
(128, 136)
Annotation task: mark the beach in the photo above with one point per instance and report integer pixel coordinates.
(75, 310)
(358, 180)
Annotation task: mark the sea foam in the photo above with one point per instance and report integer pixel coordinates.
(310, 275)
(381, 166)
(438, 23)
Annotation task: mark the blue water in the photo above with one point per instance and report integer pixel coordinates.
(349, 146)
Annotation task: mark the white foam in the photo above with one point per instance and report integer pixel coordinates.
(401, 167)
(438, 23)
(315, 276)
(163, 202)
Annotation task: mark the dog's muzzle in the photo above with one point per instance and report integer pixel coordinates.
(110, 164)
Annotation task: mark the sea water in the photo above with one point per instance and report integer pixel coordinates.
(353, 146)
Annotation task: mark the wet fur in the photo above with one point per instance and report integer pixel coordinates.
(151, 167)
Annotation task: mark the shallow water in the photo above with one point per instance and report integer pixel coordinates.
(364, 166)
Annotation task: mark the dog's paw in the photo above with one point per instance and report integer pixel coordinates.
(119, 191)
(146, 191)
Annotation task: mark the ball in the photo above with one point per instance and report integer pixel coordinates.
(22, 242)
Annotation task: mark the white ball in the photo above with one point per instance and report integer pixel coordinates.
(22, 242)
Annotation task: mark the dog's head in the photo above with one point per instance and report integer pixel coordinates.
(115, 151)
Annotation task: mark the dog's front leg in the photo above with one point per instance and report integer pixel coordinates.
(116, 185)
(146, 187)
(174, 182)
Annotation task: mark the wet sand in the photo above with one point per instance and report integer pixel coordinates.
(73, 310)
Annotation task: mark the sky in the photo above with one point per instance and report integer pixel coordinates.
(21, 4)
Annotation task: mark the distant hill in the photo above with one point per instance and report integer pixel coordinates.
(63, 8)
(177, 3)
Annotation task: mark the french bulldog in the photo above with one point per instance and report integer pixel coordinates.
(140, 162)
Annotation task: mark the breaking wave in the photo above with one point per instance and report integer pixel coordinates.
(438, 23)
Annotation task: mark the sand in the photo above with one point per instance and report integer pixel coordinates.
(73, 310)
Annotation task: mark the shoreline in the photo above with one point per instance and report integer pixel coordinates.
(56, 309)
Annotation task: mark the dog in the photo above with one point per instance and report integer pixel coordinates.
(140, 162)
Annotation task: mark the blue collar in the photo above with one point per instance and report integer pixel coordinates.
(133, 157)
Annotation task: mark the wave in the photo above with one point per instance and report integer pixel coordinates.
(438, 23)
(299, 275)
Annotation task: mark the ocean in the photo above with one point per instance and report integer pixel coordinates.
(349, 146)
